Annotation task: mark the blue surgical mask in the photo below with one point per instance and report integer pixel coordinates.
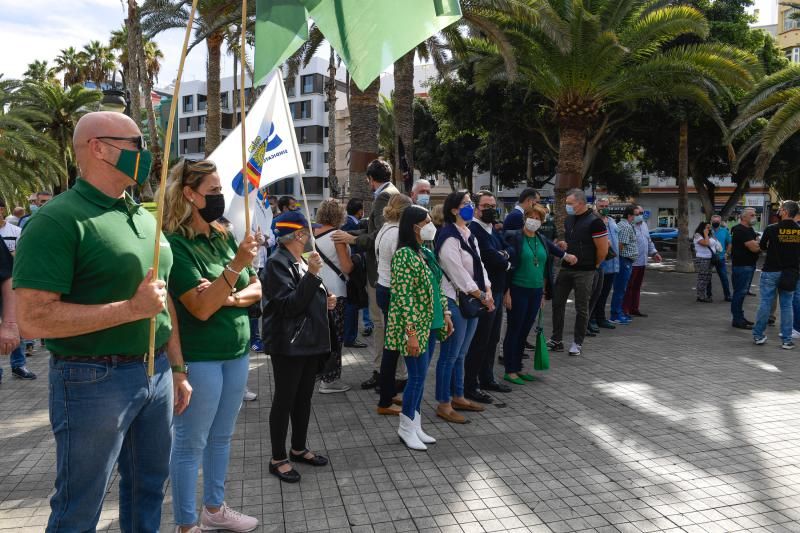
(466, 213)
(423, 200)
(570, 209)
(33, 208)
(638, 219)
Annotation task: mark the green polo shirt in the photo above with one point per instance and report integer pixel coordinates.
(93, 249)
(226, 334)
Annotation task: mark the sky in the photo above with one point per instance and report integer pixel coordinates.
(39, 29)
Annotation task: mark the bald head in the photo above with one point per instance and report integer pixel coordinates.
(96, 157)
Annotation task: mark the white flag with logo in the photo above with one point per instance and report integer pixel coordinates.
(271, 156)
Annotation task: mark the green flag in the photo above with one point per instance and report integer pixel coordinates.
(369, 35)
(281, 28)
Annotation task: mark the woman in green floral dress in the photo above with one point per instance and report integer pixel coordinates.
(418, 316)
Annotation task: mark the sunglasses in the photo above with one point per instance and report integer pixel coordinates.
(138, 140)
(186, 164)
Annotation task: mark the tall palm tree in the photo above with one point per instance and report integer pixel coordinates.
(387, 129)
(403, 111)
(99, 61)
(28, 160)
(57, 112)
(363, 138)
(212, 19)
(70, 62)
(40, 72)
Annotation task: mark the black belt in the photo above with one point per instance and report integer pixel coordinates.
(117, 359)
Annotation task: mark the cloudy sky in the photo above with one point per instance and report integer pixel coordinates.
(38, 29)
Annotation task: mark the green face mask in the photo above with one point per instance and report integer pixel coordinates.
(604, 211)
(135, 164)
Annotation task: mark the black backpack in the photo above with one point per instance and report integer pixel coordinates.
(356, 282)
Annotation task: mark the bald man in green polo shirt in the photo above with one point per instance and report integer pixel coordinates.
(84, 283)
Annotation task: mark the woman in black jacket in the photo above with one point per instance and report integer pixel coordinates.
(296, 335)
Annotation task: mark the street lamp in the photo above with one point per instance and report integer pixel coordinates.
(114, 100)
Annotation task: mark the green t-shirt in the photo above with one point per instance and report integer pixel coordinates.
(533, 256)
(226, 334)
(93, 249)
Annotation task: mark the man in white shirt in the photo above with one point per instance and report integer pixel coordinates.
(17, 214)
(9, 233)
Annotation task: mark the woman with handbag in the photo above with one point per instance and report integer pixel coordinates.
(337, 265)
(706, 250)
(417, 316)
(468, 292)
(530, 283)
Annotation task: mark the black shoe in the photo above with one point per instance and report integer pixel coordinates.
(317, 460)
(771, 321)
(605, 324)
(371, 382)
(478, 396)
(741, 325)
(292, 476)
(590, 333)
(497, 387)
(728, 299)
(366, 332)
(638, 313)
(355, 344)
(529, 346)
(23, 373)
(750, 293)
(705, 300)
(749, 323)
(593, 327)
(555, 346)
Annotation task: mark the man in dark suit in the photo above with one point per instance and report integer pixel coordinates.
(516, 218)
(379, 174)
(355, 211)
(478, 373)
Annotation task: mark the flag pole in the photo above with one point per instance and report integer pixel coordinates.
(299, 163)
(162, 188)
(245, 177)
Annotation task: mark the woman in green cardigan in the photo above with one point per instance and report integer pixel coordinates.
(418, 316)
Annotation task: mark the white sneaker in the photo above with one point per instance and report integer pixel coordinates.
(795, 334)
(575, 349)
(227, 518)
(249, 395)
(194, 529)
(333, 387)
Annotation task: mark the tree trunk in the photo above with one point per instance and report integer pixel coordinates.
(135, 69)
(363, 138)
(214, 118)
(684, 260)
(404, 117)
(741, 186)
(529, 167)
(706, 190)
(572, 143)
(333, 181)
(147, 89)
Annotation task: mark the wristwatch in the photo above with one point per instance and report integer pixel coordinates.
(180, 369)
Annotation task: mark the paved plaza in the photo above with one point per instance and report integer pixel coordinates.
(675, 423)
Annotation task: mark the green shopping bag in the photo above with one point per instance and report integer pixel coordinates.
(541, 359)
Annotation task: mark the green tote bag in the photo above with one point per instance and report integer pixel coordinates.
(541, 359)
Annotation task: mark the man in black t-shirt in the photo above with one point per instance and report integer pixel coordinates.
(9, 333)
(587, 239)
(744, 256)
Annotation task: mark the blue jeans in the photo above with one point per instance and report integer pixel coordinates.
(417, 370)
(796, 308)
(722, 271)
(767, 287)
(102, 413)
(521, 318)
(450, 367)
(365, 318)
(351, 322)
(740, 278)
(203, 432)
(620, 286)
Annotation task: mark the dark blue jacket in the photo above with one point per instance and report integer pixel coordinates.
(515, 220)
(514, 240)
(496, 263)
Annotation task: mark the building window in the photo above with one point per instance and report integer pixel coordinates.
(201, 145)
(790, 23)
(300, 109)
(307, 84)
(327, 106)
(202, 124)
(309, 134)
(794, 55)
(188, 104)
(306, 156)
(326, 132)
(289, 88)
(325, 158)
(201, 102)
(223, 100)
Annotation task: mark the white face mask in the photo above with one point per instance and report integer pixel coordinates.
(427, 232)
(533, 224)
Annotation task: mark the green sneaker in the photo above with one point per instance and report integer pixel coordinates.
(527, 377)
(515, 381)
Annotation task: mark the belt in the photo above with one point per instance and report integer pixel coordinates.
(107, 359)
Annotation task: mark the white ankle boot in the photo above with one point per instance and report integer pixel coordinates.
(408, 434)
(424, 437)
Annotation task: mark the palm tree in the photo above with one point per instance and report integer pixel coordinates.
(57, 111)
(387, 129)
(403, 110)
(99, 61)
(40, 72)
(212, 19)
(28, 160)
(363, 138)
(70, 62)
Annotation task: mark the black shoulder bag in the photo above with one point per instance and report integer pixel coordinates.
(470, 306)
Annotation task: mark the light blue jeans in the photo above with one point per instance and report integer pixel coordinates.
(203, 432)
(450, 367)
(767, 288)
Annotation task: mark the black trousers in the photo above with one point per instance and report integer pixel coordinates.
(479, 362)
(599, 311)
(387, 381)
(294, 379)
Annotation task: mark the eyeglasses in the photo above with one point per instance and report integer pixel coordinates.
(186, 163)
(138, 140)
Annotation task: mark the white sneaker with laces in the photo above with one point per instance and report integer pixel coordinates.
(333, 387)
(227, 518)
(795, 334)
(249, 395)
(575, 349)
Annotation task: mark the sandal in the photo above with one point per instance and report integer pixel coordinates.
(317, 460)
(292, 476)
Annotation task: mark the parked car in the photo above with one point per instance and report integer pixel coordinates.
(664, 237)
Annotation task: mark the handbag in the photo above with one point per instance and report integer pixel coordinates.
(541, 358)
(355, 283)
(468, 305)
(788, 280)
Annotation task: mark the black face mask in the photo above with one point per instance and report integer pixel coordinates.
(715, 225)
(489, 216)
(215, 207)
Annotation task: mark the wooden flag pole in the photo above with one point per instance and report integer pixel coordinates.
(245, 177)
(162, 188)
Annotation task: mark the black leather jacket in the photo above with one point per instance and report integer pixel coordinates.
(295, 321)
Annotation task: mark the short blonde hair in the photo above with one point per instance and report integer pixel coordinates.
(538, 211)
(177, 209)
(330, 213)
(397, 204)
(437, 215)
